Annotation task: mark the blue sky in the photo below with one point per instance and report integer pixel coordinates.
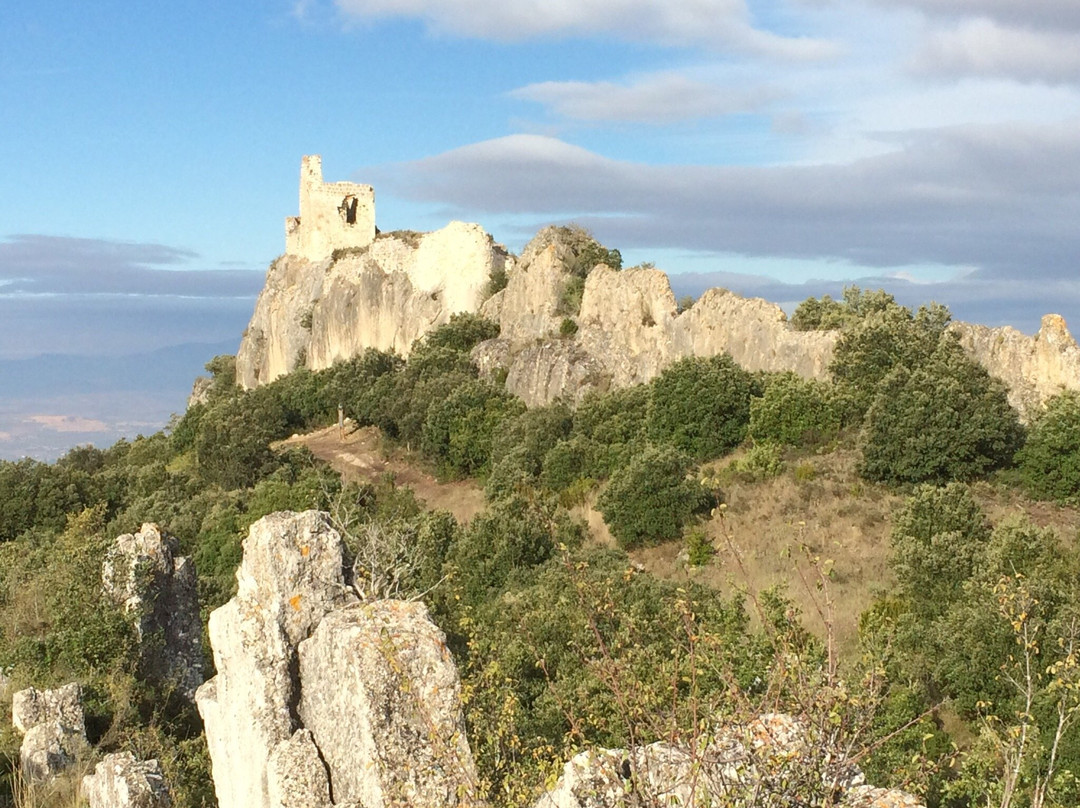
(783, 148)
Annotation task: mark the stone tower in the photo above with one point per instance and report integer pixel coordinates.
(333, 215)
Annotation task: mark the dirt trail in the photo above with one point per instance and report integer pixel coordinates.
(360, 455)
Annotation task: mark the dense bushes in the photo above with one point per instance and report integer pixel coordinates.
(1050, 460)
(651, 499)
(700, 406)
(945, 420)
(796, 411)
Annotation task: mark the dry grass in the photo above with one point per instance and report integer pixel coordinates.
(769, 532)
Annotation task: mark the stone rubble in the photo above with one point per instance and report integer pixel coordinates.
(54, 730)
(121, 781)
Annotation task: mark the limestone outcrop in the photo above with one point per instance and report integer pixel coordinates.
(53, 727)
(121, 781)
(629, 328)
(321, 700)
(1033, 368)
(770, 754)
(379, 686)
(158, 588)
(384, 295)
(341, 288)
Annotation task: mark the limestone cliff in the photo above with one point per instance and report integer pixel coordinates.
(629, 329)
(341, 289)
(384, 295)
(1033, 368)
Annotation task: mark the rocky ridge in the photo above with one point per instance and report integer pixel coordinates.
(627, 330)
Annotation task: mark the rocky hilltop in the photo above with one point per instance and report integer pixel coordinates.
(323, 303)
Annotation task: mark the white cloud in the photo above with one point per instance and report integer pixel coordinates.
(658, 98)
(986, 48)
(1052, 14)
(711, 24)
(1002, 199)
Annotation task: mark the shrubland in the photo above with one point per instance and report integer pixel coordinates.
(959, 682)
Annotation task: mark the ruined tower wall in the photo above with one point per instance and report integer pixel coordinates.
(333, 215)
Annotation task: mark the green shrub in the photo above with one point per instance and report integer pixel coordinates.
(699, 548)
(948, 420)
(795, 411)
(762, 461)
(827, 314)
(570, 297)
(568, 327)
(460, 428)
(700, 405)
(650, 499)
(872, 346)
(463, 333)
(1050, 459)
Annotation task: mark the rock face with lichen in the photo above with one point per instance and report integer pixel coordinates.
(158, 589)
(121, 781)
(53, 728)
(628, 329)
(321, 697)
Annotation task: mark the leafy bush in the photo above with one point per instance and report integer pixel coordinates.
(938, 538)
(885, 338)
(827, 314)
(701, 406)
(948, 420)
(761, 462)
(463, 333)
(650, 499)
(1050, 460)
(460, 428)
(796, 411)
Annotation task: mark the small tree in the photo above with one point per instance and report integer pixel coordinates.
(651, 498)
(700, 405)
(946, 421)
(795, 411)
(1050, 460)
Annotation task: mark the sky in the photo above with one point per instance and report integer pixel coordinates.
(780, 148)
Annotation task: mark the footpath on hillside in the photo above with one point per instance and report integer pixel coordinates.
(361, 455)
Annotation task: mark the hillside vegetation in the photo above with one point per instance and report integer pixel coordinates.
(891, 556)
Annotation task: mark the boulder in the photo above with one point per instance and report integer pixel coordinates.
(382, 700)
(296, 774)
(31, 707)
(158, 589)
(54, 730)
(770, 755)
(291, 575)
(121, 781)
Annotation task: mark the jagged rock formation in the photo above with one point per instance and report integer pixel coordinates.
(1033, 368)
(121, 781)
(319, 696)
(159, 590)
(629, 329)
(387, 291)
(771, 754)
(53, 727)
(384, 296)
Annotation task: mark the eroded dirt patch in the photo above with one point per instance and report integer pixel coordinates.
(360, 454)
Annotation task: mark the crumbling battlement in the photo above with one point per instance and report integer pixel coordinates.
(333, 215)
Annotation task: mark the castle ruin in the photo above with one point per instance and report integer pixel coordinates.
(333, 215)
